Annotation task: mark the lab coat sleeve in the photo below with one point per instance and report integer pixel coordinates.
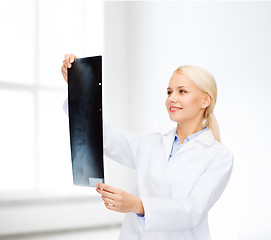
(122, 146)
(163, 214)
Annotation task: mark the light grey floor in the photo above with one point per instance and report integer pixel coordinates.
(100, 234)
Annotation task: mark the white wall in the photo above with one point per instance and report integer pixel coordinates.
(146, 41)
(36, 188)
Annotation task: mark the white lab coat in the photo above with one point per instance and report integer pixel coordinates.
(176, 194)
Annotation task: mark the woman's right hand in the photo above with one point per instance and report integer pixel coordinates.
(67, 63)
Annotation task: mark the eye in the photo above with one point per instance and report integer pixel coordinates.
(168, 92)
(182, 91)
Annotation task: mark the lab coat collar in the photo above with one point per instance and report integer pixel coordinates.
(205, 137)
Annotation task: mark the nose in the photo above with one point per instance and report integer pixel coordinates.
(171, 98)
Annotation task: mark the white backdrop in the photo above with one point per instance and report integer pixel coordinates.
(143, 43)
(146, 41)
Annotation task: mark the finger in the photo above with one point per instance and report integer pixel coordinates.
(72, 58)
(99, 189)
(108, 195)
(64, 70)
(67, 60)
(107, 188)
(105, 193)
(64, 63)
(109, 201)
(110, 207)
(64, 73)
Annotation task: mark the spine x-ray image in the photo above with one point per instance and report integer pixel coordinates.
(85, 120)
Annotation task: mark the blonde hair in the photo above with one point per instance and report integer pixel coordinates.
(206, 82)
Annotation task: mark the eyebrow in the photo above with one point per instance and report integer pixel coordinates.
(179, 87)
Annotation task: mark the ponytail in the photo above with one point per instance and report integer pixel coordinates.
(211, 123)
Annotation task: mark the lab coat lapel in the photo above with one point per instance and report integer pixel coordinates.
(168, 139)
(205, 137)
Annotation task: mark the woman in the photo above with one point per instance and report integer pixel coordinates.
(181, 174)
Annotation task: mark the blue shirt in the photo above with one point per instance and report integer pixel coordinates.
(177, 143)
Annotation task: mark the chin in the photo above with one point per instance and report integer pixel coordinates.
(174, 119)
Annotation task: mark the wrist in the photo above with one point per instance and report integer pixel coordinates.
(139, 207)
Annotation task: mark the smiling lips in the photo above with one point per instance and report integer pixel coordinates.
(174, 108)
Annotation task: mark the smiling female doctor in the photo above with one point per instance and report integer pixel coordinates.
(180, 174)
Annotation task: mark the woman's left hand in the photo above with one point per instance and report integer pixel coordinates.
(118, 200)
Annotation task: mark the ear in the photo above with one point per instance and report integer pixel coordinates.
(206, 101)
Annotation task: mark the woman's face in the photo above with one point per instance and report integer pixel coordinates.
(185, 100)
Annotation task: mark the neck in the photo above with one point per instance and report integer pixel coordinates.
(185, 129)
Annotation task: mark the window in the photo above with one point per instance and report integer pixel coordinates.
(35, 35)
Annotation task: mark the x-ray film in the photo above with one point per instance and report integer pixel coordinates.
(85, 120)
